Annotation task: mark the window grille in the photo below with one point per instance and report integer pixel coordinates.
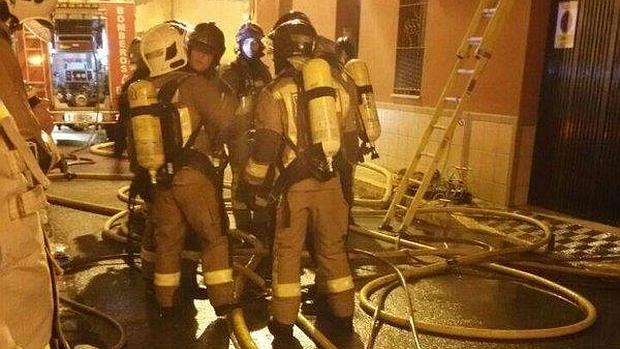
(410, 47)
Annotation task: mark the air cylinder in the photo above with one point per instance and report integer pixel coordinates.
(146, 128)
(322, 115)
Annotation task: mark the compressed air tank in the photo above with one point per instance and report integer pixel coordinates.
(322, 116)
(358, 70)
(146, 128)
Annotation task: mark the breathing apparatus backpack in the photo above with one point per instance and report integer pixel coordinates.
(368, 115)
(159, 130)
(318, 127)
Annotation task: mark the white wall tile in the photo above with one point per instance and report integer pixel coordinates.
(475, 163)
(485, 190)
(474, 186)
(490, 137)
(477, 135)
(501, 167)
(486, 166)
(498, 196)
(504, 140)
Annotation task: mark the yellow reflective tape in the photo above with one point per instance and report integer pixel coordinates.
(340, 285)
(4, 112)
(218, 277)
(287, 290)
(255, 172)
(167, 280)
(147, 256)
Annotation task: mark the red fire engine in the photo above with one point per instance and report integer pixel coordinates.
(83, 69)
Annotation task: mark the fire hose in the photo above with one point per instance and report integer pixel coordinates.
(454, 258)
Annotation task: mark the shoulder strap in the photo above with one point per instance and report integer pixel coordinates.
(167, 92)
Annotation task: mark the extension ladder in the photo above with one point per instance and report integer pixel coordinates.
(472, 57)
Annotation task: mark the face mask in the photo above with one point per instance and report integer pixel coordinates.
(252, 48)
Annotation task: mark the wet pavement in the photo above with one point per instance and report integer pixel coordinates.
(473, 297)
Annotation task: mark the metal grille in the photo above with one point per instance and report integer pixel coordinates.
(410, 47)
(578, 132)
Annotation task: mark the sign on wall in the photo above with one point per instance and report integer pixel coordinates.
(566, 24)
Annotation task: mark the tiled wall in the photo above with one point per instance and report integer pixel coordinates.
(485, 143)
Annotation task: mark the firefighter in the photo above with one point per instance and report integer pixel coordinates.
(139, 71)
(246, 76)
(187, 193)
(345, 49)
(140, 223)
(300, 128)
(27, 300)
(205, 48)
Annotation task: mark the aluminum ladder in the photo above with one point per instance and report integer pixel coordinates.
(472, 58)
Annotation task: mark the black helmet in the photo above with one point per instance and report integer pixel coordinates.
(293, 38)
(345, 46)
(292, 15)
(208, 37)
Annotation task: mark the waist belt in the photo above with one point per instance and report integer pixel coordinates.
(27, 203)
(201, 162)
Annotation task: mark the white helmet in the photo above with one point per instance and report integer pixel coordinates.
(163, 49)
(35, 15)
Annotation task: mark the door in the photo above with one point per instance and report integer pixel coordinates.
(576, 167)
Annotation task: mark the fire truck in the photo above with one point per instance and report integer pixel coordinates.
(82, 70)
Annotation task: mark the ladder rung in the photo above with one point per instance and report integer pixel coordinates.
(402, 207)
(430, 155)
(466, 71)
(452, 99)
(475, 40)
(489, 12)
(412, 181)
(440, 127)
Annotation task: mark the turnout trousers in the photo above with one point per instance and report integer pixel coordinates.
(190, 202)
(322, 206)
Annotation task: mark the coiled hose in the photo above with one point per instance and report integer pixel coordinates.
(455, 257)
(483, 259)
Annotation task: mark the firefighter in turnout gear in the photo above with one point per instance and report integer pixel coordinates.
(27, 292)
(205, 47)
(178, 119)
(304, 119)
(246, 76)
(354, 74)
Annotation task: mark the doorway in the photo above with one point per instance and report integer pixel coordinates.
(576, 168)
